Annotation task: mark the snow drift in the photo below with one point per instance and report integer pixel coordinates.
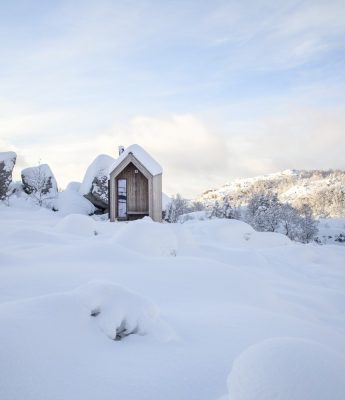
(287, 369)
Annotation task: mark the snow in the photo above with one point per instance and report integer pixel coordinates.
(202, 299)
(77, 224)
(141, 155)
(75, 186)
(71, 201)
(99, 166)
(285, 369)
(9, 159)
(117, 311)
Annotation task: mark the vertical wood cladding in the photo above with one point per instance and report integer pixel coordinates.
(137, 189)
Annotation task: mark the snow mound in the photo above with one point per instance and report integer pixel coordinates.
(75, 186)
(232, 232)
(286, 369)
(72, 202)
(118, 312)
(99, 166)
(194, 216)
(147, 237)
(77, 224)
(141, 155)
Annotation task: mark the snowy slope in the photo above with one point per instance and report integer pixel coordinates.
(200, 294)
(323, 190)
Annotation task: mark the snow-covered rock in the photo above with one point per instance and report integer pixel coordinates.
(95, 183)
(39, 182)
(7, 161)
(286, 369)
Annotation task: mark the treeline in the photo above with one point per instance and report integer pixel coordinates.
(264, 212)
(323, 191)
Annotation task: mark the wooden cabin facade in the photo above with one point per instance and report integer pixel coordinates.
(135, 187)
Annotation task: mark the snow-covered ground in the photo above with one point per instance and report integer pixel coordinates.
(207, 309)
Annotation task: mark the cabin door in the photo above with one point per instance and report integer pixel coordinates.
(122, 198)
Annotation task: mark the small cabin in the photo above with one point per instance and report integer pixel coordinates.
(135, 186)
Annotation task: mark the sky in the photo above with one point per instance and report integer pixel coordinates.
(214, 90)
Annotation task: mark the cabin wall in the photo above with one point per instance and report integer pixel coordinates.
(137, 190)
(157, 198)
(147, 187)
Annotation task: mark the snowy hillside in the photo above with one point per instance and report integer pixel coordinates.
(324, 191)
(203, 310)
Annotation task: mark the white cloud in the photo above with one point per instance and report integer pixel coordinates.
(196, 157)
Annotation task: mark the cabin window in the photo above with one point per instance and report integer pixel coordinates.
(122, 198)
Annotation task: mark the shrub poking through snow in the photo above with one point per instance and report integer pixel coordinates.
(118, 312)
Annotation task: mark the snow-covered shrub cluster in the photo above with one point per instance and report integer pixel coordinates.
(177, 207)
(267, 214)
(264, 212)
(225, 209)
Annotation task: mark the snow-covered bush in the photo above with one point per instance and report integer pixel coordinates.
(307, 225)
(177, 207)
(290, 221)
(264, 212)
(40, 183)
(7, 161)
(225, 209)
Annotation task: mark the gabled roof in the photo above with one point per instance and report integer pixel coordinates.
(142, 156)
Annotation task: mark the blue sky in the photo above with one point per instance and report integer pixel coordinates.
(213, 89)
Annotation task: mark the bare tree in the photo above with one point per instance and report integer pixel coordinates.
(38, 183)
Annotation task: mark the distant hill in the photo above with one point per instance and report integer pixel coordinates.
(323, 190)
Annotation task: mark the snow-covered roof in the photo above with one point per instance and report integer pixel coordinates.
(142, 156)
